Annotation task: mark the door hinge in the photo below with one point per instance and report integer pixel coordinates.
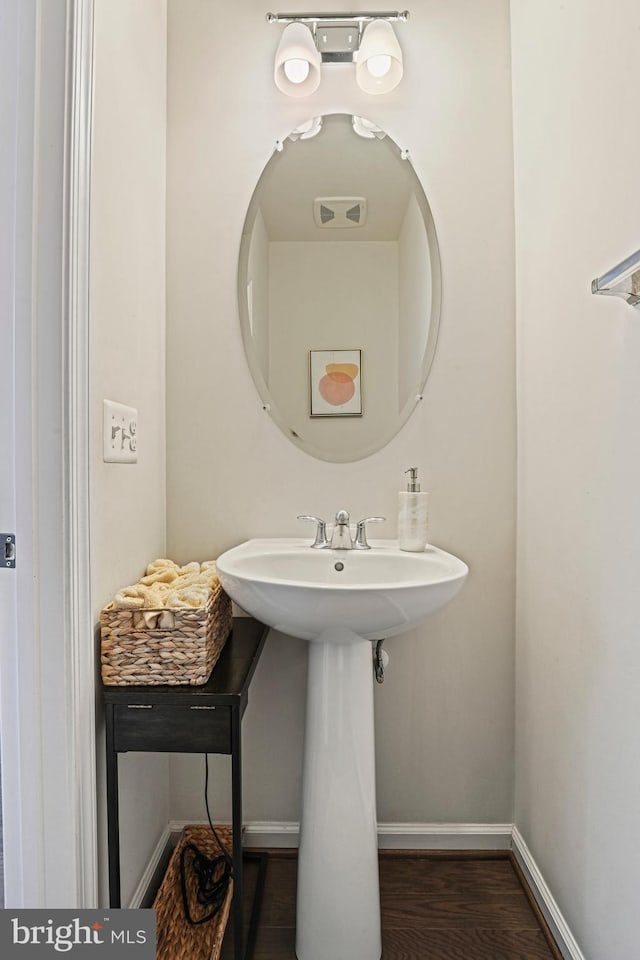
(8, 557)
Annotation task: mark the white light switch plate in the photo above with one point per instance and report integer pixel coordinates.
(120, 433)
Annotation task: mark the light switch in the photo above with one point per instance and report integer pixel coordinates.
(120, 433)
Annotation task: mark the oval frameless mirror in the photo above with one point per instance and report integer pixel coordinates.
(339, 288)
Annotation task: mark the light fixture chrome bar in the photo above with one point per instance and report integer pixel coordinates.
(334, 18)
(623, 280)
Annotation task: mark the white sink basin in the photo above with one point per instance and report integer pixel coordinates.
(307, 593)
(340, 600)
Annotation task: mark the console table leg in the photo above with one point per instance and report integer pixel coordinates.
(113, 830)
(236, 820)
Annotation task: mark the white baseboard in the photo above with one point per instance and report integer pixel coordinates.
(147, 877)
(265, 834)
(256, 833)
(394, 836)
(557, 924)
(444, 836)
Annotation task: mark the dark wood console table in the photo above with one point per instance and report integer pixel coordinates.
(186, 719)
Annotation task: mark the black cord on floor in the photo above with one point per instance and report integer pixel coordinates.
(212, 873)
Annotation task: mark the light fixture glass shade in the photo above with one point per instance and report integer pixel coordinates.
(379, 63)
(297, 64)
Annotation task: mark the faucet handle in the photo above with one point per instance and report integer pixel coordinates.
(360, 543)
(321, 532)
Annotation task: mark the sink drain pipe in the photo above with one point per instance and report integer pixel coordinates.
(380, 661)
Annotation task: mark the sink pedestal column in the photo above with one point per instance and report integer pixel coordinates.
(338, 909)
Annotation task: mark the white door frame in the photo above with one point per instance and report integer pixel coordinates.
(81, 651)
(48, 673)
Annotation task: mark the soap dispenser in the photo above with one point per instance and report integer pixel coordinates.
(412, 515)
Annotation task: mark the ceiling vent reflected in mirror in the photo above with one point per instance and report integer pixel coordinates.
(340, 212)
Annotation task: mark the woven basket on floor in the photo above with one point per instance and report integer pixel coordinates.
(135, 650)
(176, 938)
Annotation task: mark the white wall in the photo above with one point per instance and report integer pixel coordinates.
(577, 146)
(445, 711)
(128, 355)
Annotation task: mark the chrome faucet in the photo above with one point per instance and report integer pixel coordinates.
(360, 542)
(341, 536)
(320, 541)
(341, 533)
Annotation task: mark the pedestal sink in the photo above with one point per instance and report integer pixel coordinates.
(339, 600)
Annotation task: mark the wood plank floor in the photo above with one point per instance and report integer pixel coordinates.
(433, 908)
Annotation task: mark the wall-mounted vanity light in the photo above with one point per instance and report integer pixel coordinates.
(297, 67)
(622, 280)
(310, 39)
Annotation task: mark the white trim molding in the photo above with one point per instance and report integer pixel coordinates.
(444, 836)
(79, 615)
(391, 836)
(563, 936)
(163, 846)
(265, 834)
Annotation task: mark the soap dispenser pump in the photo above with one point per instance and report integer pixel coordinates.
(412, 515)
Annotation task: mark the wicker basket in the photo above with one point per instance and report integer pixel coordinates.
(134, 651)
(176, 938)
